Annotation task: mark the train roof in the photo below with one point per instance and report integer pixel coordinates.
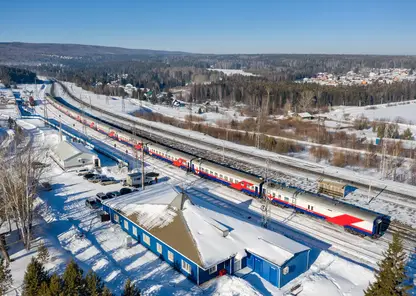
(340, 205)
(230, 171)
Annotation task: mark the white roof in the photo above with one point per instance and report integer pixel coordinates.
(66, 150)
(217, 236)
(304, 114)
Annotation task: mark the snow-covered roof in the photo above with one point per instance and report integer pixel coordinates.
(66, 150)
(204, 236)
(304, 114)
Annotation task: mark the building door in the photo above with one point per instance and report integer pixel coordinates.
(273, 276)
(237, 265)
(258, 266)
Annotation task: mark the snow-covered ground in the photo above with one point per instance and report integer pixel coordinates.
(63, 217)
(132, 105)
(391, 111)
(230, 72)
(386, 203)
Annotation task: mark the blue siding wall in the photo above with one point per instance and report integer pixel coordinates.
(177, 262)
(297, 265)
(264, 268)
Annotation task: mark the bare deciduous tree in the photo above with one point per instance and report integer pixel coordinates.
(20, 175)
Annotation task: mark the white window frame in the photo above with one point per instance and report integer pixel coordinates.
(134, 231)
(212, 269)
(186, 266)
(159, 248)
(146, 238)
(171, 258)
(116, 218)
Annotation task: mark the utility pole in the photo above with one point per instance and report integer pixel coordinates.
(142, 165)
(265, 200)
(45, 111)
(60, 128)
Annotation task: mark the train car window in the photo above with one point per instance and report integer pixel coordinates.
(311, 208)
(216, 174)
(220, 176)
(231, 180)
(286, 198)
(211, 172)
(226, 178)
(274, 194)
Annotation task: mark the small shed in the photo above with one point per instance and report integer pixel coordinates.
(304, 115)
(74, 155)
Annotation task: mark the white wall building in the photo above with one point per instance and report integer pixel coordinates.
(74, 155)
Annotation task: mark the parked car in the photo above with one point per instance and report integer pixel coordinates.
(92, 204)
(97, 178)
(100, 195)
(89, 176)
(83, 172)
(113, 194)
(108, 181)
(126, 190)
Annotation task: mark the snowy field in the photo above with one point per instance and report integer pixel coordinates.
(405, 110)
(115, 103)
(230, 72)
(63, 217)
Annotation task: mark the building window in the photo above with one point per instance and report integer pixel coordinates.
(134, 231)
(116, 218)
(237, 265)
(186, 267)
(126, 224)
(212, 269)
(159, 248)
(146, 239)
(170, 256)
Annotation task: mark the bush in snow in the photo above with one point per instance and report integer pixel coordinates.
(43, 253)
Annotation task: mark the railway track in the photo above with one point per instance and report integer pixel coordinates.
(342, 242)
(154, 134)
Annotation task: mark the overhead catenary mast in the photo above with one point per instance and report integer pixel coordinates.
(266, 209)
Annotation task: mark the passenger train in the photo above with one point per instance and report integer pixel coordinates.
(353, 218)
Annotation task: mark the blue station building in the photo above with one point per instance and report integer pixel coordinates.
(203, 244)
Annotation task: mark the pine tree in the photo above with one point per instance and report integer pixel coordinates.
(73, 282)
(34, 277)
(130, 289)
(55, 285)
(93, 284)
(44, 290)
(43, 253)
(5, 277)
(392, 274)
(106, 292)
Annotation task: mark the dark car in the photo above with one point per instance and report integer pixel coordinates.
(89, 176)
(100, 195)
(92, 204)
(126, 190)
(108, 181)
(112, 194)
